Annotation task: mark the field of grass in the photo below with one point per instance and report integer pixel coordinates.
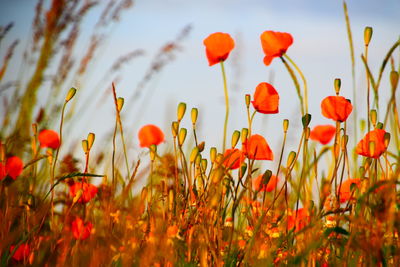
(331, 204)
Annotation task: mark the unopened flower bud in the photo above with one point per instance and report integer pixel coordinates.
(181, 111)
(194, 113)
(235, 138)
(182, 136)
(71, 93)
(367, 35)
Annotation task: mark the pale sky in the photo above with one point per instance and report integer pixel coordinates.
(320, 48)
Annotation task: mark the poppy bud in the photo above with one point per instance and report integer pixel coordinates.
(367, 35)
(204, 164)
(362, 125)
(247, 99)
(182, 136)
(175, 128)
(243, 169)
(197, 161)
(85, 146)
(70, 94)
(201, 146)
(266, 177)
(90, 140)
(379, 125)
(306, 119)
(120, 103)
(394, 79)
(386, 139)
(285, 125)
(373, 116)
(194, 154)
(291, 158)
(235, 138)
(213, 154)
(337, 84)
(181, 111)
(194, 114)
(245, 132)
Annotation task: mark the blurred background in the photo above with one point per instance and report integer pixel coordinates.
(165, 63)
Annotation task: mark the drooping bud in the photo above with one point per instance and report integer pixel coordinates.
(181, 111)
(204, 164)
(367, 35)
(71, 93)
(235, 138)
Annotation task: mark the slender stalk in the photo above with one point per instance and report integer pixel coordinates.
(303, 78)
(226, 105)
(296, 84)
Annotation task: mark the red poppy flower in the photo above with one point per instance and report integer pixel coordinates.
(218, 46)
(89, 191)
(14, 167)
(299, 221)
(150, 135)
(323, 133)
(376, 136)
(275, 44)
(233, 158)
(345, 189)
(21, 253)
(49, 138)
(336, 108)
(256, 147)
(266, 99)
(80, 230)
(258, 186)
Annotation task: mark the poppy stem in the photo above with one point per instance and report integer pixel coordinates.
(305, 97)
(226, 105)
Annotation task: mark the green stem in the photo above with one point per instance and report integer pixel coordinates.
(303, 79)
(226, 105)
(296, 84)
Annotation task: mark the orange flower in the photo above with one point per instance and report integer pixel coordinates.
(299, 221)
(218, 46)
(233, 158)
(266, 99)
(259, 186)
(256, 147)
(275, 44)
(21, 253)
(49, 138)
(89, 191)
(323, 133)
(345, 189)
(336, 108)
(80, 230)
(13, 168)
(376, 136)
(150, 135)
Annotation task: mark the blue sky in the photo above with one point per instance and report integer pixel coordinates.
(320, 48)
